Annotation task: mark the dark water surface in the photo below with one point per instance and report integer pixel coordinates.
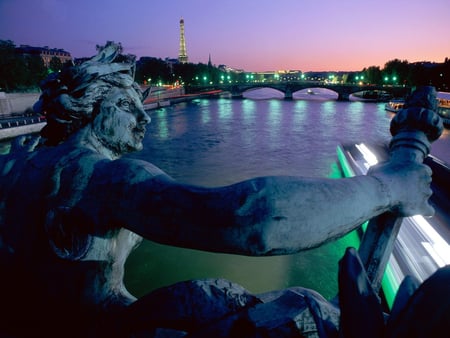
(219, 142)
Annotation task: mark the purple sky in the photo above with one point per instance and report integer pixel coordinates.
(255, 35)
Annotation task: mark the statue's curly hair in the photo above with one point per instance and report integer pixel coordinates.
(71, 98)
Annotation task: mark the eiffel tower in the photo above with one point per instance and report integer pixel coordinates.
(182, 56)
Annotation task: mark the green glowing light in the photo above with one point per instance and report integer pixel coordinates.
(389, 285)
(346, 168)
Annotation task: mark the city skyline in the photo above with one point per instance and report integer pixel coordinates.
(262, 35)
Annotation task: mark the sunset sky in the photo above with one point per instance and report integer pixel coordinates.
(254, 35)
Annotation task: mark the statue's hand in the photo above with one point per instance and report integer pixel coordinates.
(407, 186)
(25, 143)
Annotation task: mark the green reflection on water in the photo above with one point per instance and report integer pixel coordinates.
(163, 131)
(154, 265)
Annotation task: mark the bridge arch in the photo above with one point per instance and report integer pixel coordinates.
(263, 93)
(315, 93)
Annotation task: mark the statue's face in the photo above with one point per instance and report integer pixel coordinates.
(120, 124)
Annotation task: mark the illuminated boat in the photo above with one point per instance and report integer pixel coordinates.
(394, 105)
(444, 107)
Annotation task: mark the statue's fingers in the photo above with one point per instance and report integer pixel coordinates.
(428, 210)
(428, 173)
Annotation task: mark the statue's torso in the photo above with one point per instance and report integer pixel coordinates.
(44, 233)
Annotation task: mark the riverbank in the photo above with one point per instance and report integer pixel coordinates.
(15, 105)
(154, 103)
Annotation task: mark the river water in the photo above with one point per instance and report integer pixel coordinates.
(215, 142)
(222, 141)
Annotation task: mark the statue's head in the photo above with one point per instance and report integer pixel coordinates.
(99, 92)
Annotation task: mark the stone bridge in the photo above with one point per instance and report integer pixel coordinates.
(289, 88)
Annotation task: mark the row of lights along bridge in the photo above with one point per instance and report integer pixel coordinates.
(350, 78)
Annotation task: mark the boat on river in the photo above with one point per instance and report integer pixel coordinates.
(371, 96)
(444, 108)
(394, 105)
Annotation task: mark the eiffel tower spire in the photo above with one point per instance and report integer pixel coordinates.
(182, 56)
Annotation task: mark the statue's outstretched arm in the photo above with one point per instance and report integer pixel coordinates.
(260, 216)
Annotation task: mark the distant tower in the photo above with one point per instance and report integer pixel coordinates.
(182, 56)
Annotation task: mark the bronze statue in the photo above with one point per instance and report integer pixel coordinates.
(72, 209)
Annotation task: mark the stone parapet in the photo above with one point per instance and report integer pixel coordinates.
(8, 133)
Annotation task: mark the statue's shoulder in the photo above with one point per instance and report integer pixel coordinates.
(126, 171)
(139, 169)
(63, 155)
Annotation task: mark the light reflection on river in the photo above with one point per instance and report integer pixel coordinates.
(218, 142)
